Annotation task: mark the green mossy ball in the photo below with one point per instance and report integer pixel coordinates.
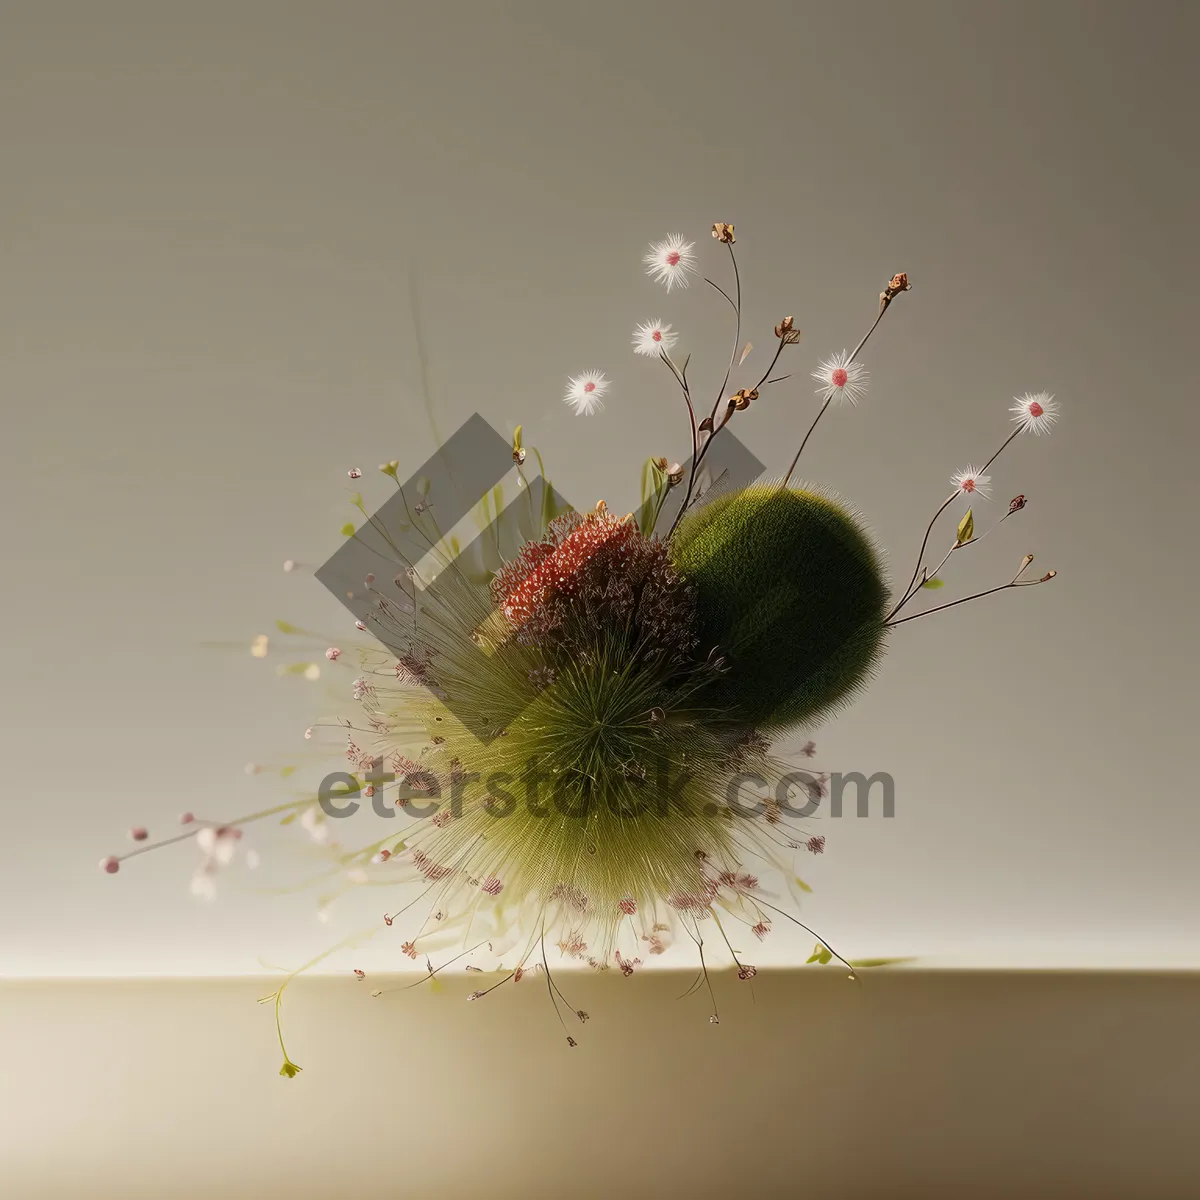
(792, 592)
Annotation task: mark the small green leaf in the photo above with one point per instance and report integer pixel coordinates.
(966, 528)
(815, 956)
(290, 1069)
(298, 668)
(287, 627)
(284, 772)
(803, 886)
(863, 963)
(825, 956)
(934, 583)
(654, 484)
(347, 530)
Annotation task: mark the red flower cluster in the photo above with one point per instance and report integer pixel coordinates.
(552, 566)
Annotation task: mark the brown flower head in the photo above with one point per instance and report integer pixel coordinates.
(786, 332)
(896, 285)
(723, 232)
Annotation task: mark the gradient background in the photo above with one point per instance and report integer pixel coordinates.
(215, 220)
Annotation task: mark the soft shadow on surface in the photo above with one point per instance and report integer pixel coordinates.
(910, 1083)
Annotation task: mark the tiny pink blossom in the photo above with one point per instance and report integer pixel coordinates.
(110, 865)
(138, 834)
(333, 654)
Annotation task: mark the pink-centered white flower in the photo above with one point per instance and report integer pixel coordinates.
(971, 483)
(314, 826)
(1035, 412)
(841, 378)
(584, 392)
(671, 261)
(653, 339)
(218, 845)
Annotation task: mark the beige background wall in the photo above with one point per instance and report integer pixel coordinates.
(214, 219)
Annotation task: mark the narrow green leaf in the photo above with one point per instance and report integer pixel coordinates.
(298, 668)
(284, 772)
(934, 583)
(803, 886)
(966, 528)
(287, 627)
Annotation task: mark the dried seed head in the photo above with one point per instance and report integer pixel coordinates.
(786, 332)
(661, 464)
(1047, 577)
(896, 285)
(742, 399)
(723, 232)
(1026, 561)
(675, 474)
(1016, 504)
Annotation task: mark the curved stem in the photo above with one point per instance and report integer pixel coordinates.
(737, 332)
(828, 398)
(788, 476)
(1016, 582)
(911, 590)
(978, 595)
(908, 591)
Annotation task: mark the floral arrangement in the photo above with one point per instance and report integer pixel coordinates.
(635, 791)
